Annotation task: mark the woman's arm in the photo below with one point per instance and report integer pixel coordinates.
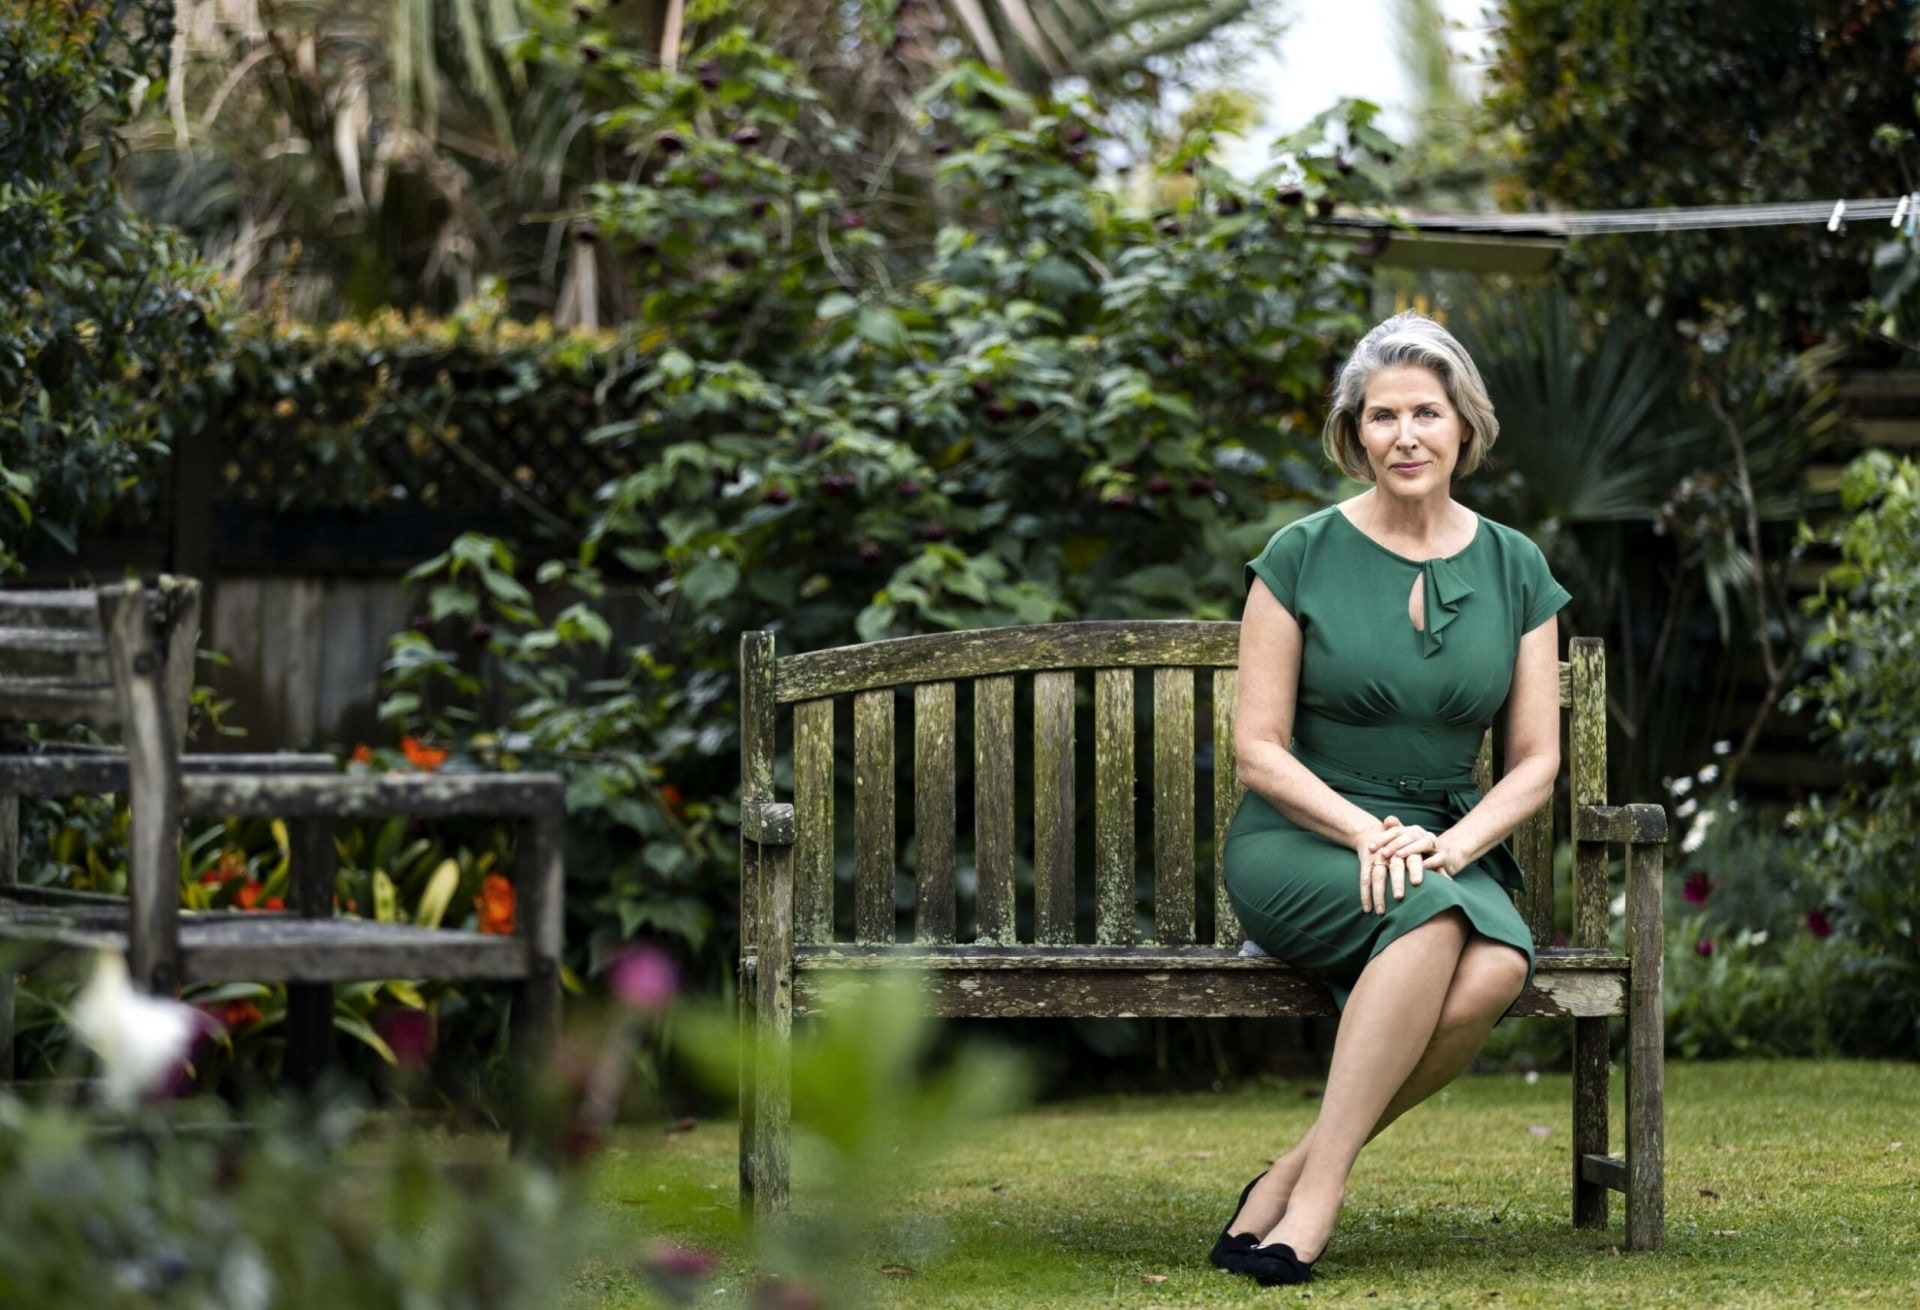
(1269, 685)
(1532, 736)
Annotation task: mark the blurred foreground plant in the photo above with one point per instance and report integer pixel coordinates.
(319, 1204)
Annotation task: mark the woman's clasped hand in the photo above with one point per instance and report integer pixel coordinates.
(1395, 856)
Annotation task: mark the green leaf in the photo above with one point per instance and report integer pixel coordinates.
(710, 582)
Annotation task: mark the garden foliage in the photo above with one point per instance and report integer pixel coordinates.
(106, 321)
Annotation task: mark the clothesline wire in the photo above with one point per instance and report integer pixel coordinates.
(1680, 218)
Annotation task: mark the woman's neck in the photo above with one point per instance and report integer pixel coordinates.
(1428, 521)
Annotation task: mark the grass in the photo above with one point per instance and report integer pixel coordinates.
(1788, 1184)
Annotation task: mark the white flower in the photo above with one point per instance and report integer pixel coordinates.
(1723, 748)
(1680, 786)
(1708, 772)
(1794, 816)
(1697, 831)
(140, 1039)
(1685, 809)
(1533, 1076)
(1619, 906)
(1758, 939)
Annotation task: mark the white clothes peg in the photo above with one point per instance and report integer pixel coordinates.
(1839, 213)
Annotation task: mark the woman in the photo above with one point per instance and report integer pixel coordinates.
(1381, 636)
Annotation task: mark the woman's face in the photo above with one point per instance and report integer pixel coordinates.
(1411, 431)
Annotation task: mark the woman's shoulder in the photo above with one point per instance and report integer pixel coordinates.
(1508, 541)
(1305, 529)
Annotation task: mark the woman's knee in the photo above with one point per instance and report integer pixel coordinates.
(1488, 979)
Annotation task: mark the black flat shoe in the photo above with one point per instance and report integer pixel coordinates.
(1275, 1265)
(1229, 1251)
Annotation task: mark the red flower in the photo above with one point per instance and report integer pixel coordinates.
(1697, 887)
(496, 902)
(362, 754)
(670, 797)
(1704, 946)
(248, 897)
(274, 903)
(425, 758)
(1819, 924)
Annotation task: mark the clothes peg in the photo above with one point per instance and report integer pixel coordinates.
(1900, 211)
(1839, 213)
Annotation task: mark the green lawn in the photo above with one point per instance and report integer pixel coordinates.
(1787, 1184)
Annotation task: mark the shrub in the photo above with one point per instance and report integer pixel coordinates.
(1868, 697)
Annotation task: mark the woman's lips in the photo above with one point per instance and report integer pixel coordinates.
(1408, 468)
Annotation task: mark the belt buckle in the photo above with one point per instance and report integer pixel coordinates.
(1409, 783)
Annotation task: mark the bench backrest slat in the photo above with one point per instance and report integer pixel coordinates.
(1226, 799)
(76, 653)
(1173, 853)
(993, 810)
(813, 821)
(873, 817)
(1053, 892)
(933, 812)
(1001, 667)
(1114, 807)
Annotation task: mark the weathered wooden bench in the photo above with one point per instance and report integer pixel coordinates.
(122, 658)
(794, 960)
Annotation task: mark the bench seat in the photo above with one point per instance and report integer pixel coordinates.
(1154, 982)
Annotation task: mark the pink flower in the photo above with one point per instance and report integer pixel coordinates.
(1704, 946)
(1819, 924)
(1697, 887)
(644, 978)
(678, 1261)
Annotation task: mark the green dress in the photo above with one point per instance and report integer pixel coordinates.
(1390, 717)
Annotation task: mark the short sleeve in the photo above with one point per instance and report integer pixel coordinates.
(1279, 567)
(1543, 595)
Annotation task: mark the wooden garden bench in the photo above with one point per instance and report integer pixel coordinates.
(1021, 959)
(121, 658)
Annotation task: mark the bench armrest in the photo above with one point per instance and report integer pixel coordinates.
(1635, 825)
(770, 823)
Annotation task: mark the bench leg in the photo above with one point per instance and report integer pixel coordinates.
(309, 1032)
(1646, 1054)
(748, 1027)
(539, 884)
(1589, 1118)
(772, 1033)
(9, 874)
(315, 863)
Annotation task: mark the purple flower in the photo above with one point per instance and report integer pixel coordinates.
(644, 978)
(1704, 946)
(1819, 924)
(1697, 887)
(408, 1033)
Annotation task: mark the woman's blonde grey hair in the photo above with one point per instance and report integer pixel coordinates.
(1414, 339)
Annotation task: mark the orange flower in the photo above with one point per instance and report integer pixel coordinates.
(495, 902)
(248, 897)
(426, 758)
(275, 903)
(670, 797)
(238, 1014)
(362, 754)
